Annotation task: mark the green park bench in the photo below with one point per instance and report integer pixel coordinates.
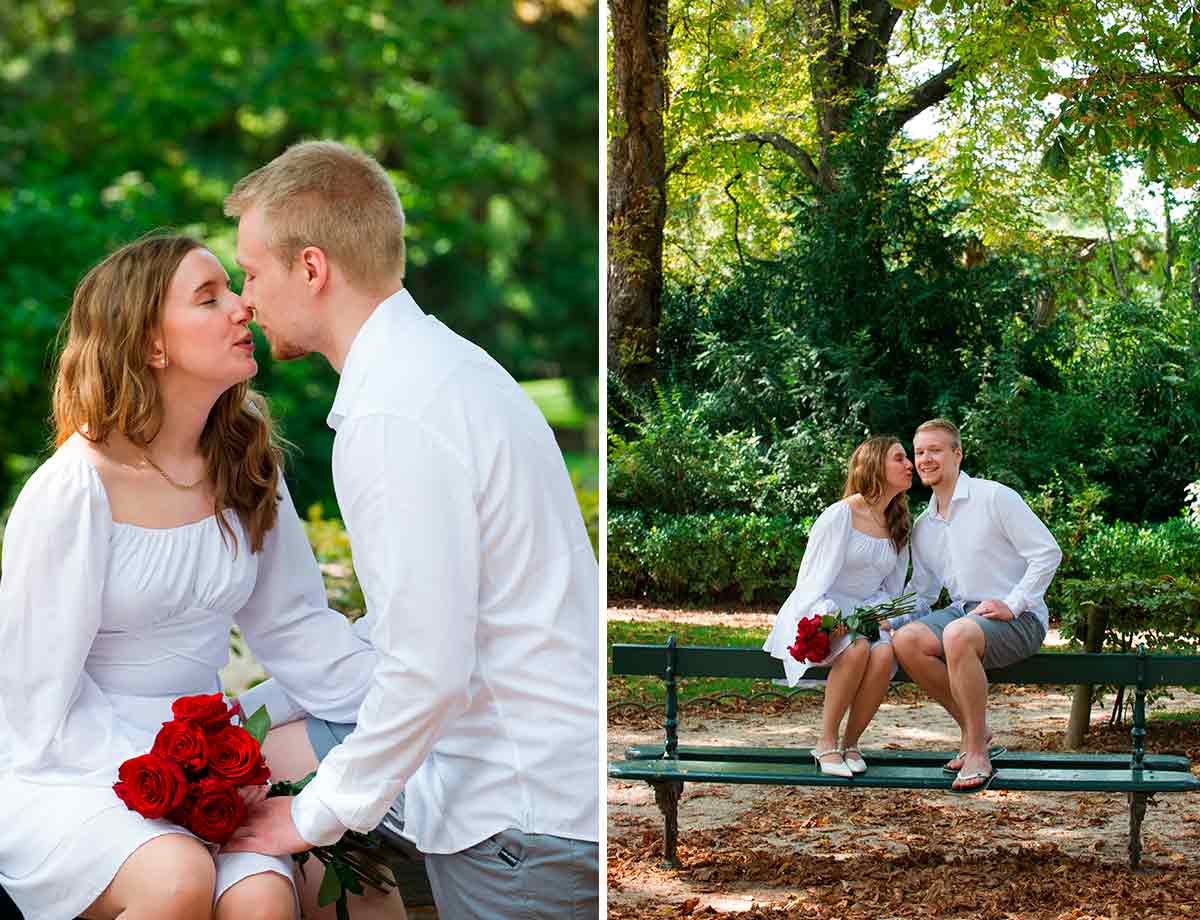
(666, 767)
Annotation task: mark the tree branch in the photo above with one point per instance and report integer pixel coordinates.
(928, 94)
(1183, 104)
(778, 141)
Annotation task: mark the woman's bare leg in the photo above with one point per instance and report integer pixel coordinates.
(844, 678)
(168, 878)
(874, 687)
(265, 896)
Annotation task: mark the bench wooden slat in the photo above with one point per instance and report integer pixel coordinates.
(904, 777)
(1044, 668)
(1032, 760)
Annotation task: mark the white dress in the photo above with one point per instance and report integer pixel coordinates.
(102, 625)
(842, 569)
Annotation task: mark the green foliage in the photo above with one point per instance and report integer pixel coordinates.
(1163, 612)
(119, 118)
(697, 556)
(1120, 401)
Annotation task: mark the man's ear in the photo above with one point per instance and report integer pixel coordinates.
(315, 266)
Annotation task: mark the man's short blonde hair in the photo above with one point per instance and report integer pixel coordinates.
(942, 424)
(328, 195)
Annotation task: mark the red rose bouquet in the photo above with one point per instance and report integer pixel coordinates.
(197, 764)
(194, 770)
(814, 634)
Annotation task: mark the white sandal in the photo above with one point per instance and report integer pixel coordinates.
(854, 760)
(832, 769)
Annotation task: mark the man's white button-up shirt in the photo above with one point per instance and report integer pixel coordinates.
(482, 595)
(989, 545)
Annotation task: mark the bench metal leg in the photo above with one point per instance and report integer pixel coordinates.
(667, 794)
(1137, 811)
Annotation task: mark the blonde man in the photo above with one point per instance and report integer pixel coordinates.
(982, 543)
(480, 582)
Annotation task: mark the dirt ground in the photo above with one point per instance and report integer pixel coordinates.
(782, 852)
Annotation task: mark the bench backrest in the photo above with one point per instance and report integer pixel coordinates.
(1141, 669)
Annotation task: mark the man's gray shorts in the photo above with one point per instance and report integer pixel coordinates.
(510, 874)
(1005, 642)
(516, 875)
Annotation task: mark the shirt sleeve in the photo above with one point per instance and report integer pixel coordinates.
(824, 555)
(1033, 542)
(319, 664)
(926, 581)
(409, 504)
(56, 723)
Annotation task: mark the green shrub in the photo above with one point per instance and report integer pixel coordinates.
(1163, 612)
(703, 556)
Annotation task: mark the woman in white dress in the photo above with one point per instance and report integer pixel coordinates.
(160, 521)
(857, 556)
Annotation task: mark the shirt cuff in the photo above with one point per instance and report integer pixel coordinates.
(1016, 601)
(280, 707)
(315, 821)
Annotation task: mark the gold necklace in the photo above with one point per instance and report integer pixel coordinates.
(179, 485)
(881, 520)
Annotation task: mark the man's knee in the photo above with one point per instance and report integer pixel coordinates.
(962, 639)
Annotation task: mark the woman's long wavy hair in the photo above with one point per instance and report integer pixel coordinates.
(104, 383)
(867, 476)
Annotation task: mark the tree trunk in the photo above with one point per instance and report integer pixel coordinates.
(637, 200)
(1081, 703)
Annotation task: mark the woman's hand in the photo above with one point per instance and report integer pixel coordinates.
(838, 632)
(252, 795)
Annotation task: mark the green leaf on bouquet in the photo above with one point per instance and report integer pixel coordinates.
(258, 724)
(829, 622)
(350, 879)
(331, 887)
(343, 912)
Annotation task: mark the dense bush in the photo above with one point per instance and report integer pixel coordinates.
(1162, 612)
(703, 556)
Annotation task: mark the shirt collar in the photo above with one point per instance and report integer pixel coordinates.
(962, 491)
(395, 311)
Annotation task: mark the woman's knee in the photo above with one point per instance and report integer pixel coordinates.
(171, 876)
(882, 656)
(265, 896)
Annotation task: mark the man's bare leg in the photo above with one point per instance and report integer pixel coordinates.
(919, 654)
(964, 642)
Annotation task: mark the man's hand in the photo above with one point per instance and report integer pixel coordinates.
(994, 610)
(269, 829)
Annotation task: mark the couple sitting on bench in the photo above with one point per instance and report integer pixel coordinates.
(977, 539)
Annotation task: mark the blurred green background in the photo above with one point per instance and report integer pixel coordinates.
(118, 118)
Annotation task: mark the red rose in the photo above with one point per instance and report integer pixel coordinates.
(234, 754)
(151, 785)
(216, 812)
(207, 711)
(818, 647)
(182, 742)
